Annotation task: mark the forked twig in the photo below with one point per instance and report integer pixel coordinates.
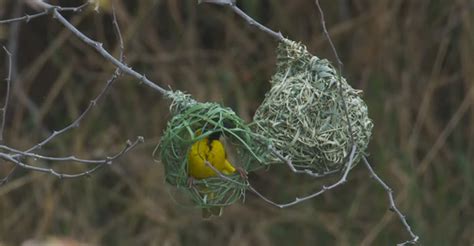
(28, 18)
(94, 101)
(100, 163)
(17, 157)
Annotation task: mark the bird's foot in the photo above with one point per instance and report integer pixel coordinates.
(190, 182)
(242, 172)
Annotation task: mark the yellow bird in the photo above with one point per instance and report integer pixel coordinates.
(205, 152)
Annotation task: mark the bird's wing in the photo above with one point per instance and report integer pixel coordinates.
(228, 168)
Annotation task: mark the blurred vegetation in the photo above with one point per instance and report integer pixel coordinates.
(413, 59)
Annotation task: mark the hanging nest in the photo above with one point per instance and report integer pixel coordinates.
(190, 117)
(303, 114)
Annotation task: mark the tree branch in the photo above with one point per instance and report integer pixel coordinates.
(100, 163)
(393, 207)
(231, 4)
(48, 10)
(298, 200)
(17, 157)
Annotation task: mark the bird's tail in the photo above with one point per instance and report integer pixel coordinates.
(211, 211)
(207, 213)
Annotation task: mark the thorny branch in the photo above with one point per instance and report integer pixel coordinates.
(55, 11)
(49, 8)
(18, 157)
(391, 200)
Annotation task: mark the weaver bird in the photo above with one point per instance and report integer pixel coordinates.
(205, 152)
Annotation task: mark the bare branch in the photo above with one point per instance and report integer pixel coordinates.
(20, 154)
(341, 181)
(7, 95)
(48, 10)
(94, 101)
(393, 207)
(231, 3)
(16, 156)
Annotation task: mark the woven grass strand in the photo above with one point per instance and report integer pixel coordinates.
(302, 114)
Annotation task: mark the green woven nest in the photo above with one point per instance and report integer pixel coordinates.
(303, 115)
(180, 134)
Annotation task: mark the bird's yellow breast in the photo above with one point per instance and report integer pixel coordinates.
(211, 151)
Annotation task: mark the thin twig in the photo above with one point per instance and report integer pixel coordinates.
(17, 87)
(99, 48)
(7, 94)
(325, 188)
(27, 18)
(106, 161)
(16, 156)
(118, 33)
(231, 3)
(55, 10)
(55, 133)
(393, 207)
(92, 103)
(19, 154)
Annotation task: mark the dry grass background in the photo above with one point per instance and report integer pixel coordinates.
(413, 59)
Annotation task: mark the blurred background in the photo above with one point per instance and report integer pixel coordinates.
(414, 60)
